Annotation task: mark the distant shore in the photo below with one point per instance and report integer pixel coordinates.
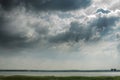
(59, 71)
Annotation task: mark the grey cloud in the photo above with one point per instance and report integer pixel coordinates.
(75, 33)
(104, 24)
(46, 4)
(101, 25)
(15, 35)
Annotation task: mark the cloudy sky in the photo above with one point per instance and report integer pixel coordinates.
(59, 34)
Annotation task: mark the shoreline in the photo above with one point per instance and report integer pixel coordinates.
(59, 71)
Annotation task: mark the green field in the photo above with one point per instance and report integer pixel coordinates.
(56, 78)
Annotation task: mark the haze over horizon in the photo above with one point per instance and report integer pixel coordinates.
(59, 34)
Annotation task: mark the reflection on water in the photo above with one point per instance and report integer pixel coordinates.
(61, 73)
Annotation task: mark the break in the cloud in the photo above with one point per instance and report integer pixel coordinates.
(59, 31)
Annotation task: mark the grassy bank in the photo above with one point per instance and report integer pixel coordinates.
(56, 78)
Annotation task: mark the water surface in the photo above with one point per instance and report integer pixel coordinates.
(61, 73)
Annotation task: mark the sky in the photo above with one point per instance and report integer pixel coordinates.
(59, 34)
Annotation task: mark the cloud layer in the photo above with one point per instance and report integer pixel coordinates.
(13, 33)
(69, 31)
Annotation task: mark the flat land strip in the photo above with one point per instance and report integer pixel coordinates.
(56, 78)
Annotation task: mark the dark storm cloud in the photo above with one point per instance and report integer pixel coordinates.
(63, 5)
(103, 11)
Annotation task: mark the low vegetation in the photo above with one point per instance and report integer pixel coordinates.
(56, 78)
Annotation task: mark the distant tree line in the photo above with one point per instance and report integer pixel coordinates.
(113, 69)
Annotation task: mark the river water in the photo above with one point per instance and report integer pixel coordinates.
(61, 73)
